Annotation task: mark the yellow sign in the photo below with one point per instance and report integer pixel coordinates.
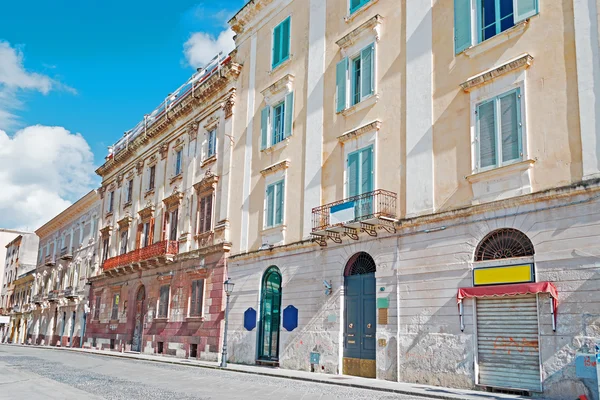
(499, 275)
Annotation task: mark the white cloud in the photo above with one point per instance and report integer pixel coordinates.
(42, 170)
(14, 78)
(201, 47)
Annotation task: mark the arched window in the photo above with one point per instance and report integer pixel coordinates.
(504, 243)
(360, 264)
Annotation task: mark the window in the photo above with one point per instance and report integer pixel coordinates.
(115, 307)
(276, 122)
(152, 177)
(123, 244)
(111, 201)
(281, 42)
(498, 132)
(178, 162)
(205, 214)
(173, 215)
(492, 17)
(129, 191)
(274, 204)
(211, 149)
(197, 297)
(147, 229)
(356, 4)
(359, 173)
(357, 74)
(163, 303)
(104, 250)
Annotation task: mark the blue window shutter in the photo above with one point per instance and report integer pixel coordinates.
(276, 46)
(367, 70)
(486, 131)
(279, 198)
(341, 79)
(285, 39)
(289, 114)
(366, 170)
(353, 177)
(462, 25)
(524, 9)
(264, 127)
(509, 127)
(270, 205)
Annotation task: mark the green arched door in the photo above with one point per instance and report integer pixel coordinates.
(270, 315)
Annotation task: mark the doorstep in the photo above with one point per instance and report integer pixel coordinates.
(434, 392)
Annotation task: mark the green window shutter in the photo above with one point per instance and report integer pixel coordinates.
(524, 9)
(276, 46)
(264, 127)
(486, 123)
(270, 205)
(341, 79)
(353, 179)
(279, 198)
(289, 114)
(462, 25)
(285, 39)
(509, 127)
(367, 77)
(366, 170)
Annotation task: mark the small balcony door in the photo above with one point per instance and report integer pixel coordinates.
(360, 180)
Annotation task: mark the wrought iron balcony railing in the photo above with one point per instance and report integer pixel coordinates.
(350, 216)
(156, 250)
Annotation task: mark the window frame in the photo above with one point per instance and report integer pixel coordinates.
(151, 177)
(272, 124)
(203, 226)
(196, 308)
(211, 143)
(114, 312)
(111, 201)
(123, 241)
(105, 249)
(273, 224)
(497, 20)
(159, 314)
(129, 197)
(358, 7)
(173, 222)
(521, 129)
(275, 64)
(178, 161)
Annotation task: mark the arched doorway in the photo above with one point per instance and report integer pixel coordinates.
(270, 316)
(360, 317)
(136, 341)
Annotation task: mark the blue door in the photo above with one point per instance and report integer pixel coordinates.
(359, 317)
(360, 181)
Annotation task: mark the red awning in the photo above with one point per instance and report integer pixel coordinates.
(508, 290)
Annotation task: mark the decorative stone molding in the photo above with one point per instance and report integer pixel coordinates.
(152, 160)
(211, 123)
(361, 105)
(370, 127)
(104, 232)
(523, 61)
(139, 167)
(500, 172)
(147, 212)
(284, 85)
(248, 13)
(210, 160)
(112, 187)
(101, 191)
(176, 178)
(207, 184)
(129, 175)
(275, 167)
(192, 131)
(163, 150)
(178, 144)
(125, 222)
(497, 40)
(228, 105)
(371, 27)
(119, 180)
(174, 200)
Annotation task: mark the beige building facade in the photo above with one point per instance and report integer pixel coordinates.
(67, 258)
(410, 175)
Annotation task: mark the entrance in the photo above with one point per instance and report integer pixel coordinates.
(72, 329)
(359, 317)
(136, 342)
(270, 316)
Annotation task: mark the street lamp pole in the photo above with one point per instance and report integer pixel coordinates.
(228, 290)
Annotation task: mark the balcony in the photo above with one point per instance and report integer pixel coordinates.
(16, 308)
(66, 253)
(349, 217)
(144, 258)
(50, 261)
(37, 299)
(53, 295)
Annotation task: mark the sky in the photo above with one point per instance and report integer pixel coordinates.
(75, 75)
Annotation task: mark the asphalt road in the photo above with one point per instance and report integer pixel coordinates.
(38, 374)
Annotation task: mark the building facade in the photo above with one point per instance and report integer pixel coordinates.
(165, 228)
(66, 259)
(21, 312)
(417, 191)
(20, 259)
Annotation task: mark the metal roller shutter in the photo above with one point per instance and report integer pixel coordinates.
(507, 342)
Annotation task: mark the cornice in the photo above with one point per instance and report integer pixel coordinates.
(197, 100)
(209, 182)
(285, 84)
(523, 61)
(372, 25)
(370, 127)
(275, 167)
(246, 14)
(174, 199)
(80, 207)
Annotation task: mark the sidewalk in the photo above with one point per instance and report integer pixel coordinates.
(351, 381)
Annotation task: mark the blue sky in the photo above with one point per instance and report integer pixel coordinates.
(75, 75)
(121, 57)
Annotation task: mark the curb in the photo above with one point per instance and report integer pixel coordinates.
(260, 373)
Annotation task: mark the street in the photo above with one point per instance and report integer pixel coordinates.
(33, 373)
